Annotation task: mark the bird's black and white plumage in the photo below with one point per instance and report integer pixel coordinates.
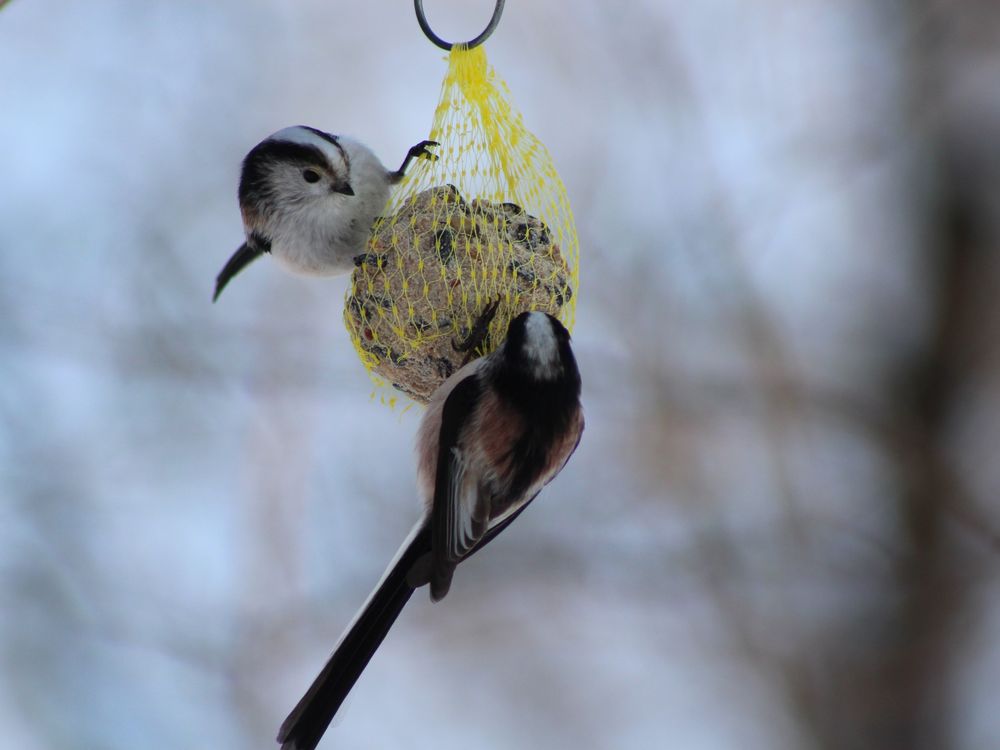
(310, 198)
(493, 435)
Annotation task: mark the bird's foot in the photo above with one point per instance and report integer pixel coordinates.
(478, 334)
(419, 151)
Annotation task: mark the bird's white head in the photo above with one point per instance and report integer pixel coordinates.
(295, 170)
(538, 345)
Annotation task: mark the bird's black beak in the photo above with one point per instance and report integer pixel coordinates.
(242, 258)
(343, 189)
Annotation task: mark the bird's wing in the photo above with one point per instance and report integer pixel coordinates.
(460, 511)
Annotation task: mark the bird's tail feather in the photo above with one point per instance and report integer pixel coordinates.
(309, 719)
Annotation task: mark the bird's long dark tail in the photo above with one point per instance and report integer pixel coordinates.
(309, 719)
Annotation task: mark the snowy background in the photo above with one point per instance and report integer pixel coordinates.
(781, 529)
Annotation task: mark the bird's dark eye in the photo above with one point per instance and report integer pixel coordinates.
(311, 175)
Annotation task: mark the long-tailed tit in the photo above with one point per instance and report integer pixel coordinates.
(310, 198)
(493, 435)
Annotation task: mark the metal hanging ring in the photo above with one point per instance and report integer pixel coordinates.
(418, 6)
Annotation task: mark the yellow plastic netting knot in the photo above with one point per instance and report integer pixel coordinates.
(487, 223)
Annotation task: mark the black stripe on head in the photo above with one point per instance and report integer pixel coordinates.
(333, 140)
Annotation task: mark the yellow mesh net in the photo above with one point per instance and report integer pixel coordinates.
(486, 224)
